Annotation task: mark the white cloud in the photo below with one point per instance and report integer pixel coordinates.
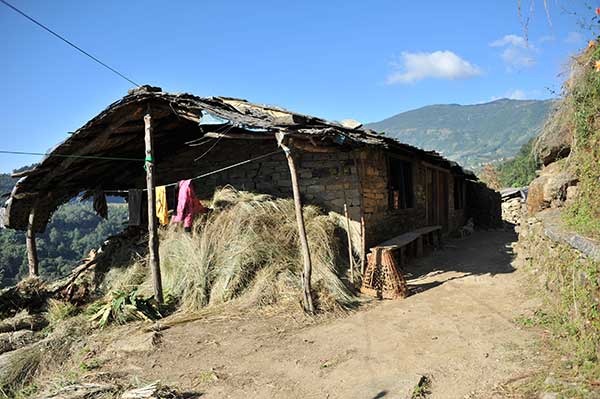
(512, 40)
(516, 94)
(546, 39)
(574, 38)
(412, 67)
(517, 52)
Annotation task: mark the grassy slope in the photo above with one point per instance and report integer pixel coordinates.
(569, 282)
(583, 95)
(470, 134)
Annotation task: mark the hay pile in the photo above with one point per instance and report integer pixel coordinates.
(247, 251)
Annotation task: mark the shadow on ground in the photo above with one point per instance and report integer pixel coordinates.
(480, 254)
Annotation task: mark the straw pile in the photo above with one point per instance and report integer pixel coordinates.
(246, 250)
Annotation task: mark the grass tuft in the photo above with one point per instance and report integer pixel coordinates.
(59, 311)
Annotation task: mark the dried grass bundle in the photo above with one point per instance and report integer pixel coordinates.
(247, 250)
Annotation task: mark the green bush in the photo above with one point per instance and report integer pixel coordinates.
(521, 170)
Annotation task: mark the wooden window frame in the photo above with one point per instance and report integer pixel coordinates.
(394, 202)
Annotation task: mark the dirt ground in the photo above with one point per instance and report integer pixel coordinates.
(458, 328)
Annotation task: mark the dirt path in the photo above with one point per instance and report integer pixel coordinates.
(458, 328)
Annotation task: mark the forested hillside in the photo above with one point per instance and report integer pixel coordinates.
(472, 135)
(74, 230)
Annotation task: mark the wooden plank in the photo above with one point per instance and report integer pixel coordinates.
(152, 227)
(427, 229)
(407, 238)
(398, 241)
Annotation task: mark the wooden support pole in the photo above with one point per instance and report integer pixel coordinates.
(363, 239)
(32, 256)
(307, 272)
(350, 254)
(152, 227)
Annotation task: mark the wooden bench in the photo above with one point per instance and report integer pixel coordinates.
(382, 276)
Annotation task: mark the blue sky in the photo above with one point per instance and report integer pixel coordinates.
(334, 59)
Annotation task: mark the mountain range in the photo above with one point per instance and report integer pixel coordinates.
(471, 135)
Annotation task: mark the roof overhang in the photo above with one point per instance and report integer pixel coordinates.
(180, 121)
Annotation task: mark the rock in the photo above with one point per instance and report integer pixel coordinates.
(556, 137)
(549, 189)
(556, 186)
(548, 395)
(572, 193)
(512, 210)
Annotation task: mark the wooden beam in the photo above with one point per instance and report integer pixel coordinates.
(32, 256)
(152, 227)
(238, 136)
(312, 147)
(307, 271)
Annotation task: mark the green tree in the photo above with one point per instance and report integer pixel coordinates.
(74, 230)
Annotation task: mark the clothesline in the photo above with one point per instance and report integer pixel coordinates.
(48, 154)
(208, 173)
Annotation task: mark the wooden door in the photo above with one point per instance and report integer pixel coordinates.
(431, 190)
(443, 199)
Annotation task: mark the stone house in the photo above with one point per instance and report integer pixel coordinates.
(386, 186)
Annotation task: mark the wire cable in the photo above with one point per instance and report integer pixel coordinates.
(235, 165)
(68, 42)
(214, 145)
(71, 156)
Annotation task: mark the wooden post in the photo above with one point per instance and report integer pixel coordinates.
(363, 244)
(32, 256)
(363, 241)
(350, 255)
(152, 228)
(306, 274)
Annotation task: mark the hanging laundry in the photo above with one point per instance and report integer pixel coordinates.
(100, 205)
(187, 204)
(162, 211)
(134, 201)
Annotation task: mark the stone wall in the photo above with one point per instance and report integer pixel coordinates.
(329, 180)
(381, 221)
(326, 179)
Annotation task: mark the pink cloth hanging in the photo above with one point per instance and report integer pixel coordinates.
(188, 205)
